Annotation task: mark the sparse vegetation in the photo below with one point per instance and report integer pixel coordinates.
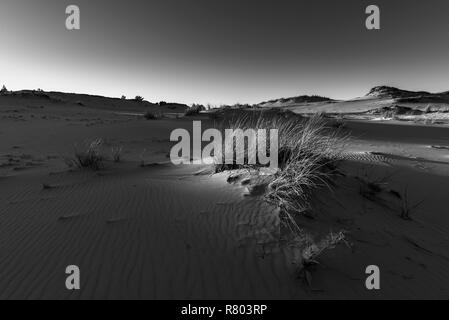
(3, 90)
(116, 152)
(306, 251)
(300, 99)
(307, 155)
(370, 189)
(337, 122)
(88, 156)
(214, 115)
(138, 99)
(150, 115)
(195, 109)
(407, 209)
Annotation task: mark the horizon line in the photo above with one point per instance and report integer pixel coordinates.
(235, 103)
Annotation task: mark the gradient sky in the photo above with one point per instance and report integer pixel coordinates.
(212, 51)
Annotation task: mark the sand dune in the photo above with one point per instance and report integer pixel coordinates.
(158, 231)
(380, 103)
(132, 239)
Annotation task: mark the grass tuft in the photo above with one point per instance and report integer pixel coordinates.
(116, 152)
(88, 156)
(308, 151)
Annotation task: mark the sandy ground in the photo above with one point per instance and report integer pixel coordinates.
(161, 232)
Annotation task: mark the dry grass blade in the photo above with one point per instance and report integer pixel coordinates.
(89, 156)
(116, 152)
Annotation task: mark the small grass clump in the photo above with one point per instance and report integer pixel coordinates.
(306, 252)
(88, 157)
(3, 90)
(370, 189)
(116, 152)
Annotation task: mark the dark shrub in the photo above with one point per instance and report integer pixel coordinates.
(195, 109)
(150, 115)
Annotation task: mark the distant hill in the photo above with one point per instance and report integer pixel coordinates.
(405, 96)
(392, 92)
(376, 99)
(296, 100)
(88, 101)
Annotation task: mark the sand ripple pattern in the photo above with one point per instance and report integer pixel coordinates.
(143, 235)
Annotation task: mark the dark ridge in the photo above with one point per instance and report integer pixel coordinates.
(95, 101)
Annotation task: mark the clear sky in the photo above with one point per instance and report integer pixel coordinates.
(213, 51)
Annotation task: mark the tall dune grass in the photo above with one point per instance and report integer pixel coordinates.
(283, 121)
(309, 149)
(88, 156)
(307, 155)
